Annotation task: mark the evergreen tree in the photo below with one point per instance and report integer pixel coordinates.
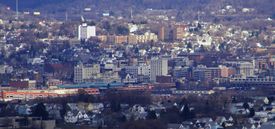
(246, 105)
(40, 111)
(152, 115)
(251, 112)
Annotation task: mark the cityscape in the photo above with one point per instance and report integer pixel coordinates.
(137, 64)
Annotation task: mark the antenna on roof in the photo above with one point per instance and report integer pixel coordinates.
(198, 16)
(66, 16)
(82, 19)
(16, 4)
(131, 13)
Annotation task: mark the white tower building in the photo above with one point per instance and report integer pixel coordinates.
(158, 67)
(85, 31)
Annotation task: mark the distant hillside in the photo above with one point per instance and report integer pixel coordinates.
(263, 6)
(28, 4)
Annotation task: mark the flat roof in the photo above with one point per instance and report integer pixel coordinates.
(92, 85)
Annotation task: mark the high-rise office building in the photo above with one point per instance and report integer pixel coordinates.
(178, 32)
(85, 31)
(161, 34)
(158, 67)
(245, 69)
(82, 73)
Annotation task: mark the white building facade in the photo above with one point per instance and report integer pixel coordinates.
(82, 73)
(158, 67)
(85, 31)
